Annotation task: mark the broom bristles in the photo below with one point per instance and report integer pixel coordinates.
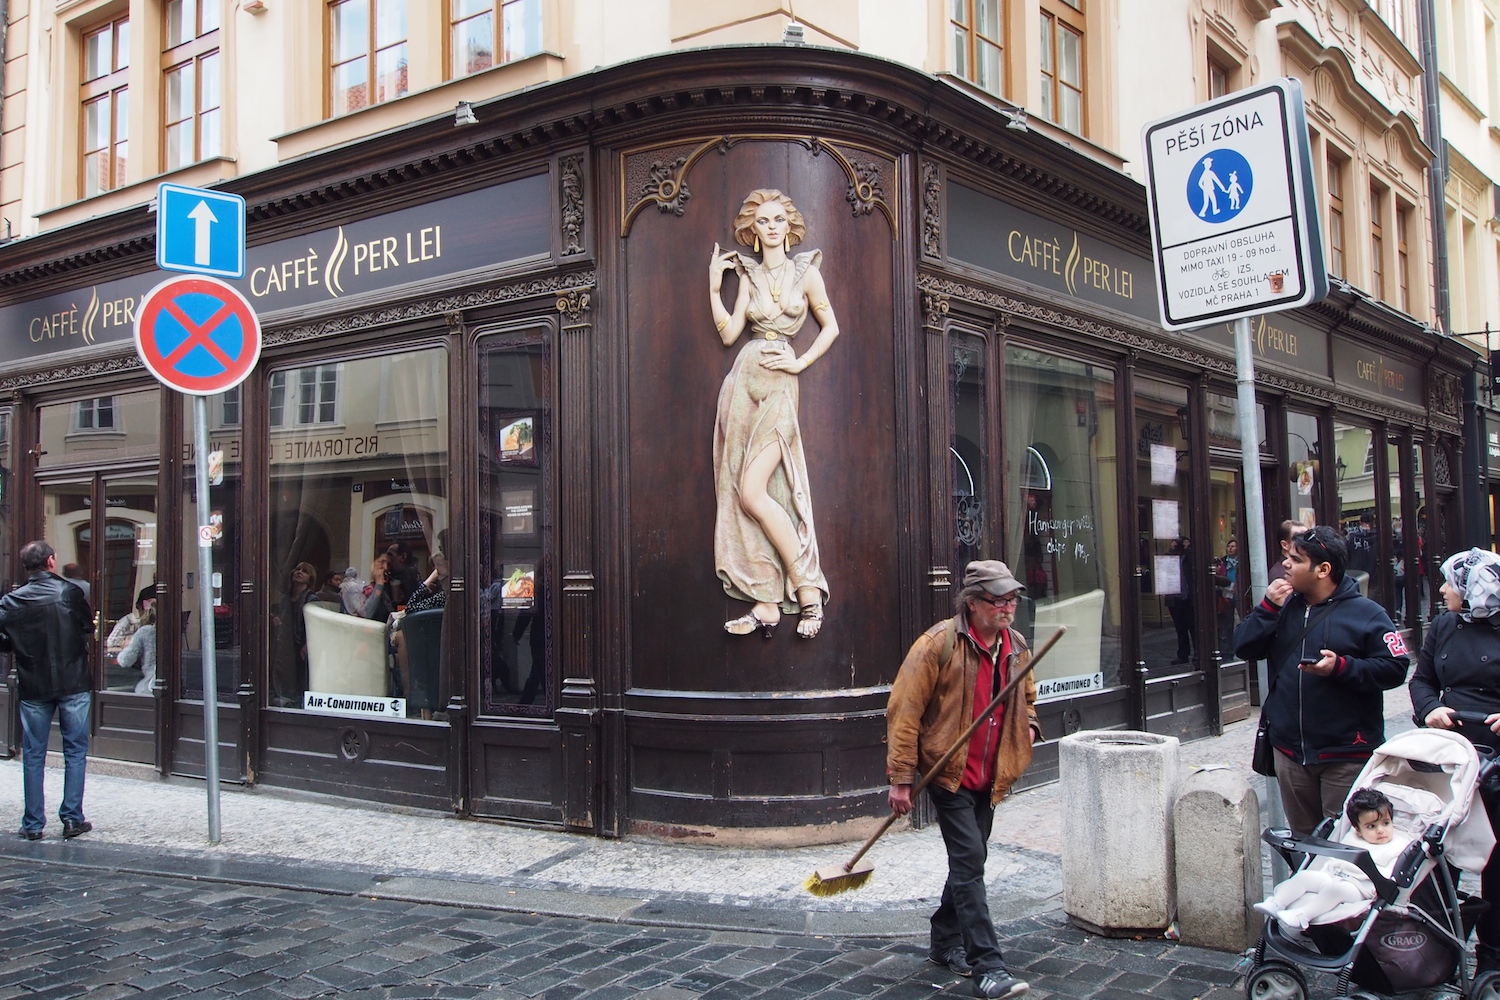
(832, 881)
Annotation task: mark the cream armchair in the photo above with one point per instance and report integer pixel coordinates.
(346, 654)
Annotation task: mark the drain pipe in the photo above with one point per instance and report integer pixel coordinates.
(1437, 172)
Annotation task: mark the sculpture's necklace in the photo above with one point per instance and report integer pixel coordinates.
(774, 284)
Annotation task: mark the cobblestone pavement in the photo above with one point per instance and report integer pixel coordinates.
(67, 931)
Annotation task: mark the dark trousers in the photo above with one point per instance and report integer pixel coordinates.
(965, 818)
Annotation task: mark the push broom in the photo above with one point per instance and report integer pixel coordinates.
(854, 873)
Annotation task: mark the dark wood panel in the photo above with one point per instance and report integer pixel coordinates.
(1234, 691)
(847, 414)
(125, 728)
(187, 746)
(517, 773)
(398, 762)
(1177, 705)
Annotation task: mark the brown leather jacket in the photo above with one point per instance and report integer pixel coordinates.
(929, 707)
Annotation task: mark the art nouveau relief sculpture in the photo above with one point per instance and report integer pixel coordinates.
(765, 545)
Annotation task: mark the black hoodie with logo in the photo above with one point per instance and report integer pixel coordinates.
(1341, 717)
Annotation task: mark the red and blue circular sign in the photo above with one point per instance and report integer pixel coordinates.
(197, 335)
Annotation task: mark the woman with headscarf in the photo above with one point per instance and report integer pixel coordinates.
(1459, 671)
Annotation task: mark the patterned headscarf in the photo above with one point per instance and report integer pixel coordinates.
(1476, 575)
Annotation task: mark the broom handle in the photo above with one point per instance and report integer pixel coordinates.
(962, 739)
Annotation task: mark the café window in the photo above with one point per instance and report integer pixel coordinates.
(1063, 535)
(1304, 467)
(371, 497)
(1354, 475)
(96, 414)
(304, 397)
(515, 525)
(104, 428)
(969, 448)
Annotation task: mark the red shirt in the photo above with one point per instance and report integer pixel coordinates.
(979, 766)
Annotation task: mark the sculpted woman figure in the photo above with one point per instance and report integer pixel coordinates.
(765, 545)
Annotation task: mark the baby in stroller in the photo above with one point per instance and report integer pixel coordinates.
(1329, 883)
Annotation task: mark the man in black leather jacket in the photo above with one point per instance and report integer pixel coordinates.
(45, 622)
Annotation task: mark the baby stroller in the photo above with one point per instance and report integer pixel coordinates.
(1412, 935)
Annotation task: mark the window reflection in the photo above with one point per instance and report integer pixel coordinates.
(359, 463)
(224, 519)
(515, 405)
(1060, 446)
(1304, 467)
(967, 449)
(1354, 475)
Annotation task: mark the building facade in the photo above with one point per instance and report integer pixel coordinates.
(479, 245)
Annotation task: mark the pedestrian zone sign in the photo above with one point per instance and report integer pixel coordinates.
(200, 231)
(197, 335)
(1233, 210)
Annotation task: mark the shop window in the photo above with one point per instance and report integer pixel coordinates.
(191, 85)
(1304, 467)
(1336, 216)
(304, 397)
(479, 29)
(1170, 560)
(1354, 475)
(371, 495)
(977, 31)
(515, 526)
(1062, 536)
(120, 426)
(367, 56)
(968, 448)
(106, 117)
(1400, 556)
(1062, 63)
(224, 520)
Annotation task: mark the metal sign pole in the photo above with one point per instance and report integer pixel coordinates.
(206, 617)
(1255, 527)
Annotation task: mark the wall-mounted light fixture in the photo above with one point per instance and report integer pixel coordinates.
(253, 6)
(464, 114)
(1016, 119)
(792, 34)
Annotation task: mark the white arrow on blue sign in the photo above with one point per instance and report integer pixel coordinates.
(200, 231)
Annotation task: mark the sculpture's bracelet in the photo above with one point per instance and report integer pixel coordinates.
(721, 324)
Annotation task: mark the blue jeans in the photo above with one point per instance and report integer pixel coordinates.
(36, 720)
(963, 918)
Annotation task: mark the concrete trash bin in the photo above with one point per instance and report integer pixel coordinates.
(1117, 852)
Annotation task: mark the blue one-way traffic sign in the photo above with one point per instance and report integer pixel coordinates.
(200, 231)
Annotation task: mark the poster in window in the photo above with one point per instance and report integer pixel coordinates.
(517, 442)
(519, 590)
(518, 511)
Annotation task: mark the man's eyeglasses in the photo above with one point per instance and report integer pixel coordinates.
(1002, 602)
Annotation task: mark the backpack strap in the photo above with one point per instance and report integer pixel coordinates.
(950, 639)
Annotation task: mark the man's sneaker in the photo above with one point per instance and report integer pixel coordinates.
(998, 984)
(75, 828)
(29, 834)
(953, 959)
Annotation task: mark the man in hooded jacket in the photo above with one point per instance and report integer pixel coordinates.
(46, 623)
(1330, 655)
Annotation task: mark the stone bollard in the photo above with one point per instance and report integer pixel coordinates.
(1117, 790)
(1217, 823)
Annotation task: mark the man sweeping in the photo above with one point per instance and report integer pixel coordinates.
(949, 676)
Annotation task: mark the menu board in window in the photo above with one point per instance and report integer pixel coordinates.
(519, 590)
(519, 512)
(517, 442)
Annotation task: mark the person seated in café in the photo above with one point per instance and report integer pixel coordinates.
(289, 637)
(141, 650)
(379, 593)
(330, 592)
(401, 569)
(119, 636)
(431, 594)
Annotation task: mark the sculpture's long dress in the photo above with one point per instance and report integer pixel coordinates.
(758, 410)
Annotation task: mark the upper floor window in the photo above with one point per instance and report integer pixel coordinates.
(1403, 262)
(229, 407)
(310, 397)
(1218, 79)
(96, 414)
(1377, 242)
(367, 56)
(482, 28)
(104, 93)
(1335, 216)
(1062, 63)
(191, 93)
(978, 40)
(1394, 14)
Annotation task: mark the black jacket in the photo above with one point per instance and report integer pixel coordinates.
(1341, 717)
(1459, 666)
(46, 622)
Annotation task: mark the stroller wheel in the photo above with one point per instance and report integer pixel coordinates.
(1486, 987)
(1277, 981)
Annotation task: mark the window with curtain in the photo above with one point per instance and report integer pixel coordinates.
(976, 31)
(106, 115)
(1062, 537)
(192, 120)
(485, 33)
(368, 494)
(1336, 216)
(367, 53)
(1061, 54)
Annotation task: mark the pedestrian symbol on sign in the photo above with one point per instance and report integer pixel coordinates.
(1219, 185)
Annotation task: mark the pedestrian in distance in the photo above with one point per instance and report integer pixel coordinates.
(949, 676)
(1330, 654)
(1458, 671)
(46, 623)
